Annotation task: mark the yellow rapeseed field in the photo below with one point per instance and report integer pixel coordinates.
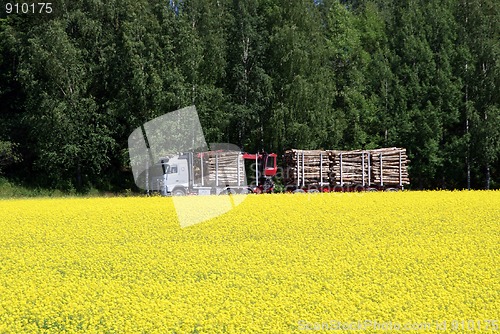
(275, 264)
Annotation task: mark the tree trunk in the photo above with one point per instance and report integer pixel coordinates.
(78, 175)
(488, 176)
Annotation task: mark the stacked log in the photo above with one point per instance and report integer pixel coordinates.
(349, 167)
(357, 167)
(223, 168)
(306, 167)
(388, 172)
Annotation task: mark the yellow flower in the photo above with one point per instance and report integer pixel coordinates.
(274, 264)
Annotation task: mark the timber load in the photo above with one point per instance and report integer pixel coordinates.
(304, 167)
(349, 167)
(389, 166)
(224, 168)
(386, 167)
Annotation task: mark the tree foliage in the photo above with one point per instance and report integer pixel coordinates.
(264, 74)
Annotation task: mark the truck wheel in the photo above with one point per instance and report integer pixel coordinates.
(391, 189)
(178, 192)
(246, 191)
(228, 192)
(299, 191)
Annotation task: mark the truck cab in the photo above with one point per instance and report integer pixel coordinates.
(176, 175)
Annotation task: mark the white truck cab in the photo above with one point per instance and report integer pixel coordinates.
(176, 177)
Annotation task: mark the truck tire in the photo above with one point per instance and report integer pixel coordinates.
(179, 192)
(246, 191)
(299, 191)
(228, 191)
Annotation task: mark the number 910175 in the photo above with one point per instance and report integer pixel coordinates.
(28, 8)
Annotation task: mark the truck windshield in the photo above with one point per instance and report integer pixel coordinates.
(166, 168)
(270, 162)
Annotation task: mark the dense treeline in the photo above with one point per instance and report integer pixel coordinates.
(264, 74)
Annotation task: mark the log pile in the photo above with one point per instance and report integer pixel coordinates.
(306, 167)
(334, 167)
(390, 158)
(349, 167)
(222, 168)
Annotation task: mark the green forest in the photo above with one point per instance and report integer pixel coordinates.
(264, 75)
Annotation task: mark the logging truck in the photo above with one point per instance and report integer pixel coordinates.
(224, 172)
(212, 173)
